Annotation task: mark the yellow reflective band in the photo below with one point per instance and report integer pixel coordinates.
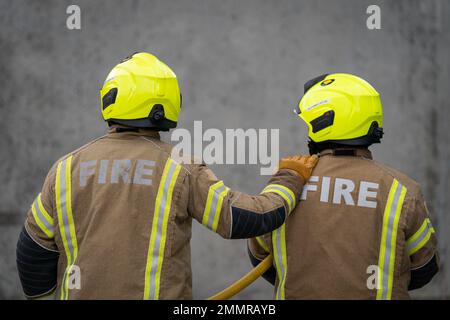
(430, 225)
(263, 244)
(162, 244)
(282, 194)
(61, 225)
(420, 238)
(40, 224)
(158, 234)
(386, 260)
(222, 195)
(421, 243)
(42, 218)
(277, 260)
(216, 193)
(284, 259)
(282, 191)
(418, 233)
(65, 218)
(280, 258)
(43, 211)
(381, 258)
(398, 211)
(209, 199)
(69, 207)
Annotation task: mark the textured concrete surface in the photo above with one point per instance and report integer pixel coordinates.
(241, 64)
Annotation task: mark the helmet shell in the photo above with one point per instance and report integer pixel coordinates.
(352, 103)
(137, 85)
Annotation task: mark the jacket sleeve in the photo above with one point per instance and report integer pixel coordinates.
(421, 244)
(236, 215)
(36, 251)
(40, 221)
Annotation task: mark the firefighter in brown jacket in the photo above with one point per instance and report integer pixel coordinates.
(114, 217)
(362, 229)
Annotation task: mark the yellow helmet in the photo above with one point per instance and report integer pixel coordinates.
(343, 109)
(141, 91)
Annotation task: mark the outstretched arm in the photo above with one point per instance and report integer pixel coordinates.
(237, 215)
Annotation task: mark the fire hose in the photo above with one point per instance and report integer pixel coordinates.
(245, 281)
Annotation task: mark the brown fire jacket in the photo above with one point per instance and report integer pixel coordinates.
(119, 211)
(359, 232)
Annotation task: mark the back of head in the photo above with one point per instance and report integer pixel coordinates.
(141, 92)
(341, 110)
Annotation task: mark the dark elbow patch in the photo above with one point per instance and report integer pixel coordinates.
(249, 224)
(37, 266)
(423, 275)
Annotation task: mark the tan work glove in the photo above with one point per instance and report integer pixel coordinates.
(302, 165)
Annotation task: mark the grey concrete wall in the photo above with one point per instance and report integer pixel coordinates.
(240, 64)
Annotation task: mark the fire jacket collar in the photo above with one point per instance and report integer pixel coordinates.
(119, 129)
(354, 152)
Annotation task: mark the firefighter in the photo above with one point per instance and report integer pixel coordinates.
(362, 229)
(113, 220)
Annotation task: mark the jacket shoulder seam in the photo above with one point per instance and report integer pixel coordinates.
(169, 156)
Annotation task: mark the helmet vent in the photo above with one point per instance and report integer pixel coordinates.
(109, 98)
(323, 121)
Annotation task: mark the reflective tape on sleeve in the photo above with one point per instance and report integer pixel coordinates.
(284, 192)
(262, 244)
(42, 218)
(217, 192)
(420, 238)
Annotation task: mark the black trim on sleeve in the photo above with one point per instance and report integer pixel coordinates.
(423, 275)
(37, 266)
(270, 275)
(249, 224)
